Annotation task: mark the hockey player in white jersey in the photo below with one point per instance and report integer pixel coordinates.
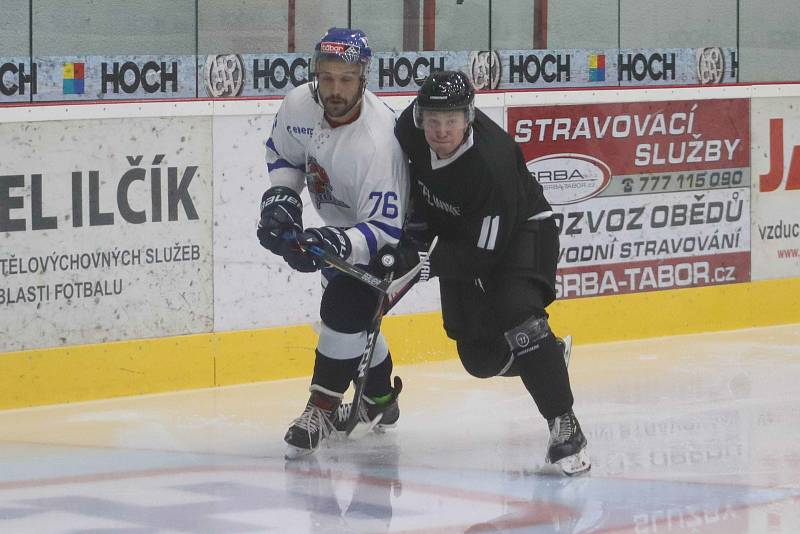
(337, 138)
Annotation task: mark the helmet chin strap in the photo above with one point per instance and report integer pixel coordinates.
(314, 87)
(466, 133)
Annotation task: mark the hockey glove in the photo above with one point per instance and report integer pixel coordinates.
(417, 233)
(331, 239)
(417, 230)
(281, 219)
(376, 263)
(410, 253)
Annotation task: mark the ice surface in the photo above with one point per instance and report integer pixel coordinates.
(687, 434)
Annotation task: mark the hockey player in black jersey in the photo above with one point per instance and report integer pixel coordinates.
(497, 252)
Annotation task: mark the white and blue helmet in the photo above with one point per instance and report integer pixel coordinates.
(347, 45)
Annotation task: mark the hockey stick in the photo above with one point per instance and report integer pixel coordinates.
(389, 293)
(356, 272)
(354, 428)
(394, 289)
(362, 371)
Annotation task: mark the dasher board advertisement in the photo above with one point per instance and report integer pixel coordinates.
(105, 228)
(776, 188)
(115, 77)
(648, 196)
(234, 75)
(18, 80)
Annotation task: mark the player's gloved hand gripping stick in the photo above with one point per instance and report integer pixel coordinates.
(390, 291)
(394, 289)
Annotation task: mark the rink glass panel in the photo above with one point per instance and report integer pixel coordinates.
(765, 31)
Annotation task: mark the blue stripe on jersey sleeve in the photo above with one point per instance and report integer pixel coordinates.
(372, 242)
(281, 163)
(391, 231)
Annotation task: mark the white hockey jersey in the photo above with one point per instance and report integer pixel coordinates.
(357, 174)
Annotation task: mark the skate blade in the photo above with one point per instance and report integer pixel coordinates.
(381, 429)
(362, 429)
(575, 465)
(293, 453)
(567, 349)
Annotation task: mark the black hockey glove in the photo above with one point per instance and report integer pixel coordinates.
(331, 239)
(409, 253)
(418, 232)
(281, 219)
(377, 265)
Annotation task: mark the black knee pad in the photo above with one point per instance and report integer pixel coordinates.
(529, 336)
(484, 360)
(347, 305)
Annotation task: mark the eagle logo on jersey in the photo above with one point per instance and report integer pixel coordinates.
(319, 185)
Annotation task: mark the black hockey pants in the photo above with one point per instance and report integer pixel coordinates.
(477, 317)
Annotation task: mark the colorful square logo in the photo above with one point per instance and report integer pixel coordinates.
(73, 78)
(597, 67)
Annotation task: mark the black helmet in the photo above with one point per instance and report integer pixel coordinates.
(446, 90)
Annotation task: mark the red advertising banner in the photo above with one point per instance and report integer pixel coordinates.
(637, 137)
(652, 186)
(638, 277)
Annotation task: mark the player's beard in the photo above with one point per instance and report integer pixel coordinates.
(336, 107)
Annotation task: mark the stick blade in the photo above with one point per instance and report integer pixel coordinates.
(362, 428)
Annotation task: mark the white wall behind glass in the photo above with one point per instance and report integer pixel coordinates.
(512, 24)
(111, 27)
(261, 26)
(313, 19)
(242, 26)
(769, 40)
(462, 26)
(769, 35)
(382, 20)
(677, 23)
(582, 24)
(14, 36)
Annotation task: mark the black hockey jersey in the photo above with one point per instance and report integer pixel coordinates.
(476, 202)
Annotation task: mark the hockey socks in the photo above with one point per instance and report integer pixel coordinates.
(544, 374)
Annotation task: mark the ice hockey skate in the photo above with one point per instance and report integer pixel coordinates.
(314, 425)
(567, 446)
(373, 415)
